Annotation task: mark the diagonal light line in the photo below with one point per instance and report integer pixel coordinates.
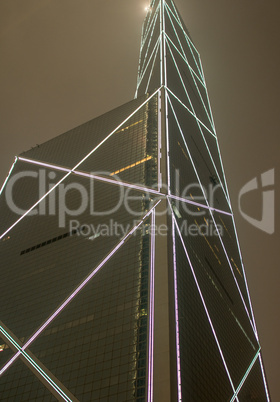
(203, 302)
(79, 163)
(197, 175)
(151, 312)
(264, 379)
(78, 289)
(150, 18)
(148, 63)
(245, 376)
(8, 176)
(188, 39)
(153, 65)
(201, 132)
(148, 48)
(197, 204)
(148, 29)
(179, 377)
(200, 122)
(34, 365)
(182, 81)
(183, 58)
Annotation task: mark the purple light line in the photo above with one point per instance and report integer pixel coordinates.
(204, 304)
(179, 379)
(197, 204)
(77, 290)
(48, 165)
(264, 380)
(151, 313)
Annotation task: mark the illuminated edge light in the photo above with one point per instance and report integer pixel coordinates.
(182, 103)
(183, 55)
(159, 141)
(183, 84)
(148, 63)
(139, 62)
(188, 40)
(149, 25)
(178, 358)
(153, 65)
(8, 176)
(197, 175)
(153, 24)
(204, 304)
(79, 163)
(34, 365)
(77, 290)
(205, 142)
(264, 378)
(245, 376)
(129, 185)
(151, 313)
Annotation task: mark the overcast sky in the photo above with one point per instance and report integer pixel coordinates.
(63, 62)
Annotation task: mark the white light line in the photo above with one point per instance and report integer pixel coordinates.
(188, 39)
(152, 69)
(185, 60)
(148, 28)
(264, 379)
(176, 97)
(139, 62)
(42, 373)
(77, 290)
(44, 164)
(147, 52)
(204, 304)
(159, 141)
(197, 175)
(179, 379)
(197, 204)
(8, 176)
(148, 63)
(245, 376)
(151, 312)
(79, 163)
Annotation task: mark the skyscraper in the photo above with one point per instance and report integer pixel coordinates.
(122, 277)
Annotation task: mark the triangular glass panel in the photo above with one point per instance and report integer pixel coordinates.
(112, 314)
(202, 371)
(48, 255)
(201, 159)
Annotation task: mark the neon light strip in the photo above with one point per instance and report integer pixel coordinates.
(35, 366)
(148, 28)
(147, 51)
(9, 174)
(264, 379)
(197, 175)
(183, 56)
(77, 290)
(197, 204)
(172, 93)
(183, 84)
(79, 163)
(153, 66)
(151, 56)
(245, 376)
(188, 40)
(179, 377)
(161, 47)
(204, 304)
(159, 141)
(151, 313)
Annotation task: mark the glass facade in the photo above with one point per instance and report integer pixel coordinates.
(81, 309)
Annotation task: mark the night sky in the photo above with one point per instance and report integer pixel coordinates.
(64, 62)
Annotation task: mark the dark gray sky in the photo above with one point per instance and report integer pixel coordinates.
(64, 62)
